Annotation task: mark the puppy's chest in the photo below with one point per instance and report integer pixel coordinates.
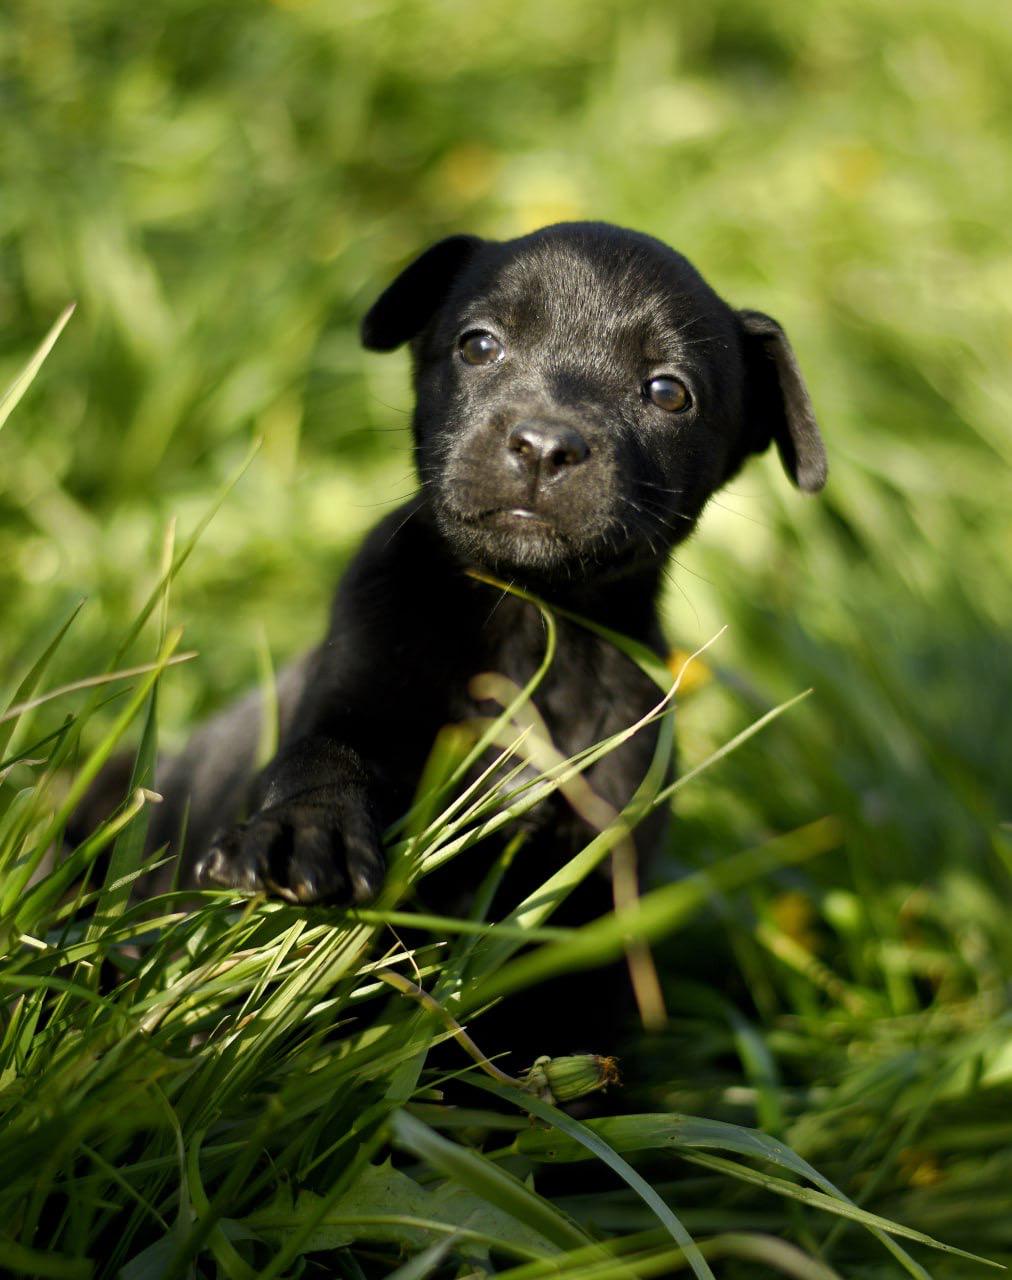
(590, 692)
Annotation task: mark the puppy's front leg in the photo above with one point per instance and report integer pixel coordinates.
(313, 837)
(375, 694)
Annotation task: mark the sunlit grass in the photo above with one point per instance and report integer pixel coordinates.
(222, 1085)
(205, 1081)
(223, 190)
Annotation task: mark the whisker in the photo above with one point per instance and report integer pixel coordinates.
(641, 512)
(751, 519)
(699, 342)
(385, 502)
(650, 484)
(666, 571)
(665, 518)
(659, 517)
(413, 512)
(687, 324)
(394, 408)
(360, 433)
(685, 569)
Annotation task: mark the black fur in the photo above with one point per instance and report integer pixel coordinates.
(551, 468)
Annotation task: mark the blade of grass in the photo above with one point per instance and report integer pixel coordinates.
(586, 1137)
(831, 1204)
(90, 682)
(16, 1259)
(481, 745)
(157, 593)
(657, 914)
(19, 703)
(128, 849)
(12, 396)
(20, 876)
(485, 1179)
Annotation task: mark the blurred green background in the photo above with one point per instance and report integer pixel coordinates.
(224, 187)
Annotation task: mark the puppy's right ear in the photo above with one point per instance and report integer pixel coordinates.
(405, 307)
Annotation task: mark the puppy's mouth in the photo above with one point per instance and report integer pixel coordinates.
(514, 518)
(509, 538)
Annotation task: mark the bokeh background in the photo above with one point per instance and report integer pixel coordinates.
(224, 186)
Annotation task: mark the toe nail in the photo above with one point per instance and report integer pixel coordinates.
(208, 868)
(364, 886)
(306, 889)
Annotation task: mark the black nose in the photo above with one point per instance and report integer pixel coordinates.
(547, 444)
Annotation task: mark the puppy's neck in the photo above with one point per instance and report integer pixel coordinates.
(624, 599)
(627, 605)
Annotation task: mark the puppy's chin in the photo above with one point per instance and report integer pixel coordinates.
(508, 541)
(526, 545)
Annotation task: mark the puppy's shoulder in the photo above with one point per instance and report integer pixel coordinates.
(402, 546)
(401, 581)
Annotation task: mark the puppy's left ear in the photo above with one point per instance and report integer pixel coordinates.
(777, 404)
(406, 306)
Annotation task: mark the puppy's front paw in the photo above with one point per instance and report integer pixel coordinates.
(300, 852)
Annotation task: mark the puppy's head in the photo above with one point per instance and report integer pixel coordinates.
(581, 392)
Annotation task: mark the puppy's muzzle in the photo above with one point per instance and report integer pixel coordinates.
(543, 450)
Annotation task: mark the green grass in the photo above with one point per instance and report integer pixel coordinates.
(223, 189)
(174, 1093)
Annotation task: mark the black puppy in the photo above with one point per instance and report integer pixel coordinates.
(581, 393)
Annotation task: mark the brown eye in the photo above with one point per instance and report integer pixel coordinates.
(479, 347)
(668, 394)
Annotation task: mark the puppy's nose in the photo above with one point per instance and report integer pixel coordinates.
(547, 444)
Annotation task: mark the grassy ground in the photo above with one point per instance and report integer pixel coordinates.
(222, 188)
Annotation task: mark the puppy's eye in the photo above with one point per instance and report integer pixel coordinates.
(480, 347)
(668, 394)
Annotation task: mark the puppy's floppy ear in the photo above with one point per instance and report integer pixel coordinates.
(777, 404)
(408, 304)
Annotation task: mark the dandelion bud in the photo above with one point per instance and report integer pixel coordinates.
(563, 1079)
